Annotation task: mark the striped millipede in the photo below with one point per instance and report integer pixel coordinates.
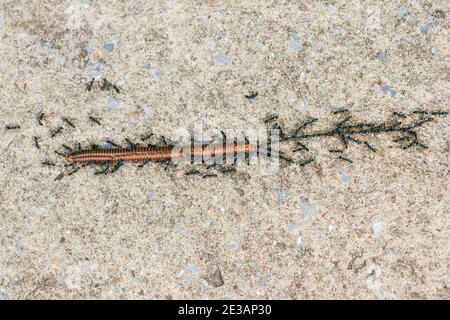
(156, 153)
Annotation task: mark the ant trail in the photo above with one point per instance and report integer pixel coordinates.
(90, 84)
(399, 114)
(36, 142)
(422, 112)
(439, 113)
(347, 130)
(56, 131)
(270, 118)
(110, 142)
(192, 172)
(106, 85)
(69, 122)
(252, 95)
(12, 126)
(342, 110)
(39, 118)
(300, 147)
(228, 170)
(345, 159)
(94, 120)
(147, 136)
(304, 163)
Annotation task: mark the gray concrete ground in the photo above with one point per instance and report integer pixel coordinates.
(376, 228)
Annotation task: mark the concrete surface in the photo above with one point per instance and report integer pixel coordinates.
(374, 229)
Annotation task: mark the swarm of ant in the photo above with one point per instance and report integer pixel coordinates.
(345, 130)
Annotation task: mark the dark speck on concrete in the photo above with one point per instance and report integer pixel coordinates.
(438, 14)
(59, 176)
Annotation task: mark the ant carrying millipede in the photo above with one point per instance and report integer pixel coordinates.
(344, 130)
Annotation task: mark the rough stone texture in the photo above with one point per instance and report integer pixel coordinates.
(377, 228)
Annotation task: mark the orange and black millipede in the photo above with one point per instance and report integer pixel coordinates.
(156, 153)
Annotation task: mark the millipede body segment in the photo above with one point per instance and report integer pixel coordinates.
(156, 153)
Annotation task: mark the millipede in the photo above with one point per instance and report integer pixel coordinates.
(157, 154)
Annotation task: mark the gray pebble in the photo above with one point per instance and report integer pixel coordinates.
(382, 56)
(221, 58)
(216, 279)
(389, 90)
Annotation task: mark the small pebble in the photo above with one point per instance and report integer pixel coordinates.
(221, 58)
(293, 228)
(344, 176)
(295, 44)
(109, 47)
(382, 56)
(282, 195)
(113, 103)
(389, 90)
(377, 227)
(216, 280)
(61, 60)
(305, 207)
(264, 280)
